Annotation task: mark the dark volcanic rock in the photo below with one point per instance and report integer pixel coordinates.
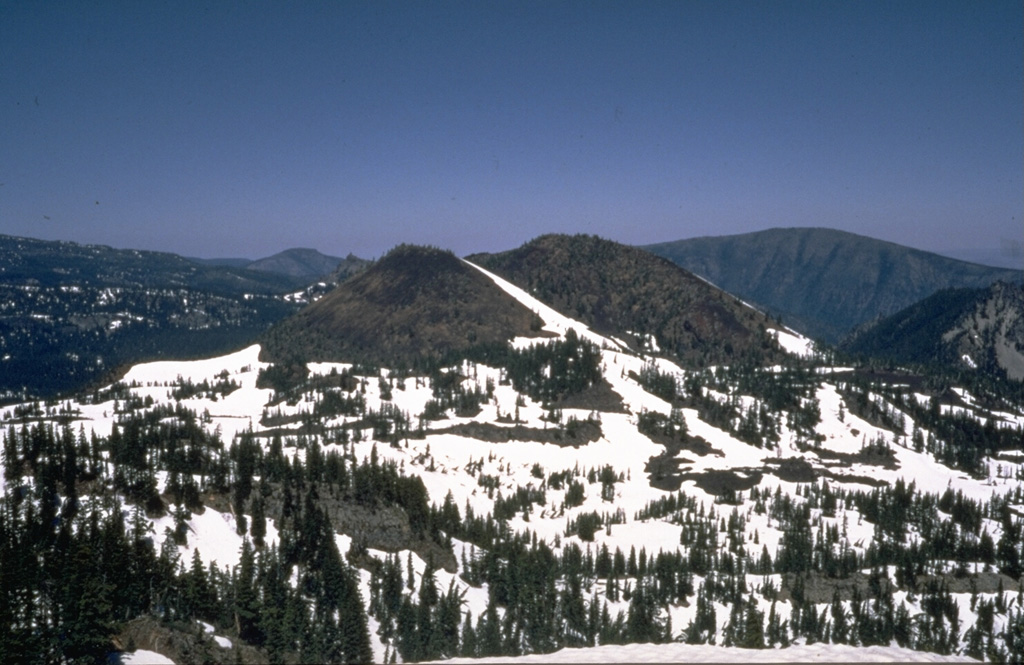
(792, 469)
(185, 643)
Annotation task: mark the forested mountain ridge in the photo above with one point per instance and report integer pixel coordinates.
(552, 489)
(308, 264)
(50, 263)
(414, 303)
(626, 293)
(303, 263)
(974, 329)
(825, 282)
(72, 314)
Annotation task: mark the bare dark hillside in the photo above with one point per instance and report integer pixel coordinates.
(619, 290)
(415, 302)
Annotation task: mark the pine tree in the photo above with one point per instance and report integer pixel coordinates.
(489, 633)
(753, 626)
(247, 602)
(88, 611)
(702, 628)
(469, 646)
(258, 530)
(777, 631)
(840, 624)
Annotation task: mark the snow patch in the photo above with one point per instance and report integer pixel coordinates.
(145, 657)
(793, 343)
(553, 321)
(681, 653)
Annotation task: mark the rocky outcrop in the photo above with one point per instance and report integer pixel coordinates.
(375, 527)
(384, 528)
(184, 643)
(993, 333)
(580, 432)
(820, 589)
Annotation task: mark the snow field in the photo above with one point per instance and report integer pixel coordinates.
(682, 653)
(443, 462)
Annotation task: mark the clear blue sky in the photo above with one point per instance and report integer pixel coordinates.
(241, 129)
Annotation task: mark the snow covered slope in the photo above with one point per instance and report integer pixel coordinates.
(737, 473)
(687, 653)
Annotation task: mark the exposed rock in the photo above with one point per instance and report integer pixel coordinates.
(722, 481)
(582, 432)
(183, 643)
(820, 589)
(869, 456)
(663, 471)
(792, 469)
(598, 397)
(384, 528)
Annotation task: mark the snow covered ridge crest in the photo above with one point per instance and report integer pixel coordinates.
(815, 511)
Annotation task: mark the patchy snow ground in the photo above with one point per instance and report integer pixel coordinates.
(449, 462)
(686, 653)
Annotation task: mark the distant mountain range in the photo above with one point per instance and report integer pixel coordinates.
(824, 282)
(71, 314)
(49, 263)
(301, 263)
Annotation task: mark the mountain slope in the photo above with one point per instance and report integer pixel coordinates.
(301, 263)
(223, 262)
(627, 293)
(973, 328)
(49, 263)
(415, 302)
(799, 504)
(822, 281)
(71, 314)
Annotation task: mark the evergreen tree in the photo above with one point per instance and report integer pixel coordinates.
(258, 530)
(840, 623)
(753, 626)
(246, 595)
(469, 646)
(704, 625)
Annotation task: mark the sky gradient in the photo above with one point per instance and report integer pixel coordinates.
(242, 129)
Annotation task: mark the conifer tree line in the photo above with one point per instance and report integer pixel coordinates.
(66, 538)
(77, 563)
(77, 336)
(546, 372)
